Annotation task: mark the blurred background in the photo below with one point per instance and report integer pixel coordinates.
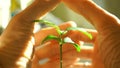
(9, 8)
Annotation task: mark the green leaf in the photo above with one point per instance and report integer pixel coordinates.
(50, 37)
(45, 22)
(77, 47)
(81, 30)
(49, 24)
(69, 40)
(63, 32)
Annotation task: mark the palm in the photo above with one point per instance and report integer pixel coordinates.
(104, 45)
(97, 61)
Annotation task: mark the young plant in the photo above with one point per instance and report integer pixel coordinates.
(63, 40)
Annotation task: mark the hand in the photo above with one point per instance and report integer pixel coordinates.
(106, 45)
(16, 42)
(49, 52)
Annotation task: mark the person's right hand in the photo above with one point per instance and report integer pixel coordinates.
(107, 43)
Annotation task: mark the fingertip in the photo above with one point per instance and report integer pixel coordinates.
(67, 24)
(72, 23)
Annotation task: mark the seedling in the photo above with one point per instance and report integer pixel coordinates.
(63, 40)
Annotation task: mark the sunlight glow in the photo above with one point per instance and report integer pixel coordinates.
(24, 3)
(4, 12)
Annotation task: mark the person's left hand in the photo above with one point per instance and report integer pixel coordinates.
(17, 40)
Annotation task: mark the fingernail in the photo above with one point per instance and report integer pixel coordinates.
(44, 61)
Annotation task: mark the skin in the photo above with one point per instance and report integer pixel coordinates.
(16, 42)
(104, 54)
(106, 46)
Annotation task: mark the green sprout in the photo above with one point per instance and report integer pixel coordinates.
(63, 40)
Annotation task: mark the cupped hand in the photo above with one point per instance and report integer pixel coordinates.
(17, 40)
(107, 43)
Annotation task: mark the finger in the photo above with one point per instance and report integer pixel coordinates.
(51, 58)
(101, 19)
(49, 50)
(39, 8)
(86, 52)
(77, 36)
(53, 62)
(65, 25)
(80, 65)
(40, 35)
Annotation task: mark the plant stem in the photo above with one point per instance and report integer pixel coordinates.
(61, 56)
